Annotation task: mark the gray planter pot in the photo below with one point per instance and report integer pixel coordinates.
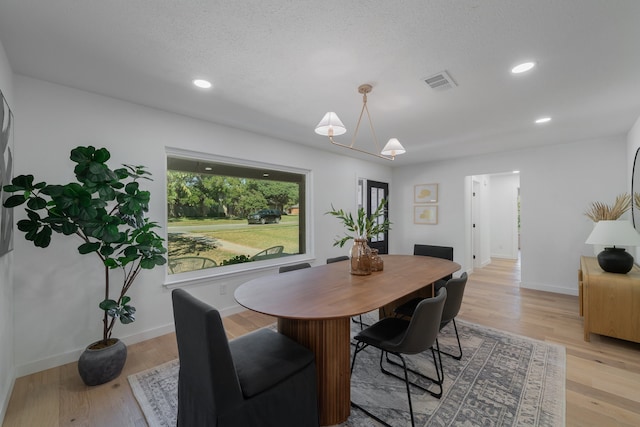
(102, 365)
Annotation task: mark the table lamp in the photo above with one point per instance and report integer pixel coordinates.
(612, 234)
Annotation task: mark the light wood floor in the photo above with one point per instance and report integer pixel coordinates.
(603, 376)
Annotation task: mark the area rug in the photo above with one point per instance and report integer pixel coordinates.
(502, 380)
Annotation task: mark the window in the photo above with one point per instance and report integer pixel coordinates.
(223, 212)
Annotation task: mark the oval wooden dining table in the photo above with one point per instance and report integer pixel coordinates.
(314, 307)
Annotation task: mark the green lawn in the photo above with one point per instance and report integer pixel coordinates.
(251, 238)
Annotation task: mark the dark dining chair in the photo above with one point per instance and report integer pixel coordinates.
(337, 259)
(396, 336)
(455, 291)
(263, 378)
(444, 252)
(293, 267)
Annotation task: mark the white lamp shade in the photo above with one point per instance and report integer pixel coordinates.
(614, 233)
(393, 148)
(330, 124)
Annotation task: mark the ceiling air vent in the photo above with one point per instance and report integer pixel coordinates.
(441, 81)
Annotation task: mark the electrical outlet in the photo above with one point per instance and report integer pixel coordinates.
(223, 289)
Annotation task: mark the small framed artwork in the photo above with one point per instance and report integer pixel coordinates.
(425, 193)
(425, 214)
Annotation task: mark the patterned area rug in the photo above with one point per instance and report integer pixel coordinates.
(502, 380)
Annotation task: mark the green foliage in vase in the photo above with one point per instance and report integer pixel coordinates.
(106, 209)
(361, 226)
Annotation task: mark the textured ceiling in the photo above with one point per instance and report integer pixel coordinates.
(278, 66)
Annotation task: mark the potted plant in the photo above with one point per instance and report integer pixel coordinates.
(601, 211)
(360, 229)
(106, 210)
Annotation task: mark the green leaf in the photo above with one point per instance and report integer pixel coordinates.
(15, 200)
(68, 228)
(37, 203)
(106, 250)
(125, 299)
(102, 155)
(12, 188)
(25, 182)
(108, 304)
(111, 263)
(86, 248)
(27, 225)
(82, 154)
(127, 315)
(43, 238)
(132, 188)
(53, 190)
(33, 216)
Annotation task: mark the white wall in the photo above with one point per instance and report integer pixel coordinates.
(7, 374)
(57, 290)
(557, 183)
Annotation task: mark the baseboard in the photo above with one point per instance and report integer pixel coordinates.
(74, 355)
(7, 396)
(548, 288)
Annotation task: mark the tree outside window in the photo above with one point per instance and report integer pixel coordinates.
(221, 214)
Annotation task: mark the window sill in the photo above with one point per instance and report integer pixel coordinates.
(207, 276)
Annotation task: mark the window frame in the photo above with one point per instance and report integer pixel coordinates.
(227, 271)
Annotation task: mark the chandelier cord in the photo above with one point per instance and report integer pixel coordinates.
(373, 132)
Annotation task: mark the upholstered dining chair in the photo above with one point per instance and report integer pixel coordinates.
(396, 336)
(455, 291)
(293, 267)
(262, 378)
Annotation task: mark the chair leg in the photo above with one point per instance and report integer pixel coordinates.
(359, 322)
(406, 381)
(459, 356)
(359, 347)
(438, 366)
(439, 372)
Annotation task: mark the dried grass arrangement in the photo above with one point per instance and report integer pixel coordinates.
(599, 211)
(636, 198)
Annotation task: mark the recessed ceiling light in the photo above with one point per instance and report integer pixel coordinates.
(543, 120)
(521, 68)
(208, 168)
(203, 84)
(516, 171)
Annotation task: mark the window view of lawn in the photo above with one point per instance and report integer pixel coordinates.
(242, 216)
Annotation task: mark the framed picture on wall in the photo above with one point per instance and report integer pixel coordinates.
(425, 214)
(425, 193)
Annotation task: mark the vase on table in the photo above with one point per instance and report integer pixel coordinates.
(376, 261)
(360, 257)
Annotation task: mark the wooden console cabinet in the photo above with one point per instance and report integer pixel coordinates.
(609, 302)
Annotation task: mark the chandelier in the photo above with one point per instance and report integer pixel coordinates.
(331, 126)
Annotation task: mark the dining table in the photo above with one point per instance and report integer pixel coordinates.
(314, 307)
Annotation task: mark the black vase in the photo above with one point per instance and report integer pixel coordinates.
(99, 366)
(615, 260)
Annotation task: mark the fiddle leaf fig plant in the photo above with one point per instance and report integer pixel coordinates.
(106, 210)
(361, 226)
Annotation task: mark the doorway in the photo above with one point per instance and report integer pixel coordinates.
(370, 194)
(494, 230)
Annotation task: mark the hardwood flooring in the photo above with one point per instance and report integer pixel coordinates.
(602, 386)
